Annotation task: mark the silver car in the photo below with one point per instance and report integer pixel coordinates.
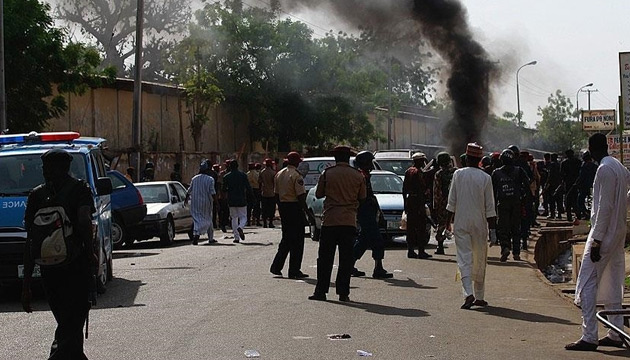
(387, 187)
(167, 213)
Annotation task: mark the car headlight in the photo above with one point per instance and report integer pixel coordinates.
(152, 217)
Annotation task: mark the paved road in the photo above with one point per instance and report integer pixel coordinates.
(217, 301)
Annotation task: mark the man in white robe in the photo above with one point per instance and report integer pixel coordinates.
(601, 277)
(202, 195)
(471, 203)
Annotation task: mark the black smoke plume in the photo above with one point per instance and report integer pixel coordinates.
(443, 24)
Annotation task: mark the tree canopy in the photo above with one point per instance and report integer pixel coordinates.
(558, 130)
(37, 59)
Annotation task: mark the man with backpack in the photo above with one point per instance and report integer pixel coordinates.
(58, 221)
(509, 183)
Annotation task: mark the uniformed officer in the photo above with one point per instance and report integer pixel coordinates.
(291, 198)
(267, 193)
(253, 205)
(415, 196)
(343, 187)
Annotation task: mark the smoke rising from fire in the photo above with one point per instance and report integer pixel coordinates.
(443, 24)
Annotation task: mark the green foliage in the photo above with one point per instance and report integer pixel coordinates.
(36, 58)
(558, 130)
(202, 93)
(298, 90)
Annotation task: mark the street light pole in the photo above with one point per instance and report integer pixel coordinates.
(518, 98)
(577, 99)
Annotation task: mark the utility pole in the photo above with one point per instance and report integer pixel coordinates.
(589, 91)
(3, 99)
(136, 117)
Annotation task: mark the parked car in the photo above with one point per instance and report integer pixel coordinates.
(166, 212)
(128, 208)
(387, 187)
(313, 167)
(395, 165)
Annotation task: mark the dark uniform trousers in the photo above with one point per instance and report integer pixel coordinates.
(224, 212)
(416, 225)
(67, 294)
(292, 220)
(509, 225)
(369, 234)
(331, 237)
(268, 208)
(253, 208)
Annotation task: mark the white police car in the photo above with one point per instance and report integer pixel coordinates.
(21, 171)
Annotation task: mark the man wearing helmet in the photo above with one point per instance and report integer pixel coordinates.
(369, 234)
(415, 194)
(509, 183)
(441, 187)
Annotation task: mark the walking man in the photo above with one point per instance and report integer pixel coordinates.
(291, 198)
(68, 285)
(343, 187)
(367, 215)
(441, 187)
(236, 187)
(471, 204)
(601, 276)
(267, 193)
(202, 194)
(415, 194)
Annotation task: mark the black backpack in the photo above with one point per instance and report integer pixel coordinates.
(51, 234)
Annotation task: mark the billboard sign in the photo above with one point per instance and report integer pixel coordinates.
(597, 120)
(624, 76)
(614, 146)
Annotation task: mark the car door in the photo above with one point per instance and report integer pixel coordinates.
(186, 217)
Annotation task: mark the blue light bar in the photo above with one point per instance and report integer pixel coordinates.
(11, 139)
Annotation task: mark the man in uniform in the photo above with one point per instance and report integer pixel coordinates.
(253, 208)
(291, 199)
(202, 193)
(441, 186)
(267, 193)
(509, 183)
(584, 184)
(601, 276)
(570, 170)
(471, 204)
(237, 189)
(553, 188)
(415, 192)
(67, 286)
(343, 187)
(367, 215)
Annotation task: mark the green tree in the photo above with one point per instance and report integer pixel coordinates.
(557, 129)
(202, 93)
(40, 65)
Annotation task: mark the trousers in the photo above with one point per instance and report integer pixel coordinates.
(292, 242)
(509, 225)
(331, 238)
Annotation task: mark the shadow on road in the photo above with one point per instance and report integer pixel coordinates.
(624, 353)
(521, 315)
(120, 293)
(409, 283)
(256, 243)
(122, 255)
(383, 309)
(313, 282)
(496, 262)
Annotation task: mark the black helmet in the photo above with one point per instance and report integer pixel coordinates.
(507, 157)
(443, 158)
(486, 161)
(364, 159)
(515, 150)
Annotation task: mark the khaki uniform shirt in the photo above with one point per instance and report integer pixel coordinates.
(252, 177)
(266, 181)
(289, 184)
(343, 187)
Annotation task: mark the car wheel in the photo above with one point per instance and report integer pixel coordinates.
(315, 232)
(118, 234)
(168, 232)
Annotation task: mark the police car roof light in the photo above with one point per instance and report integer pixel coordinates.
(39, 137)
(11, 139)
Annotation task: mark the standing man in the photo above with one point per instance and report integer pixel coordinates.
(601, 277)
(553, 188)
(202, 193)
(253, 208)
(441, 187)
(291, 198)
(510, 184)
(236, 187)
(267, 193)
(67, 286)
(224, 208)
(584, 184)
(343, 187)
(176, 175)
(415, 194)
(367, 215)
(218, 184)
(570, 170)
(471, 204)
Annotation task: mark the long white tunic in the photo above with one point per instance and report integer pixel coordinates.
(472, 200)
(608, 225)
(201, 190)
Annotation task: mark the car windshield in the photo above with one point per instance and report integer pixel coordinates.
(398, 166)
(19, 174)
(386, 184)
(155, 193)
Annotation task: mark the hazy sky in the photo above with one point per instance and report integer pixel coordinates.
(575, 42)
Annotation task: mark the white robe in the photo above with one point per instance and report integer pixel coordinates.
(472, 200)
(602, 281)
(201, 191)
(608, 225)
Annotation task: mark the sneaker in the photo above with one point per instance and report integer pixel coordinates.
(240, 233)
(357, 273)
